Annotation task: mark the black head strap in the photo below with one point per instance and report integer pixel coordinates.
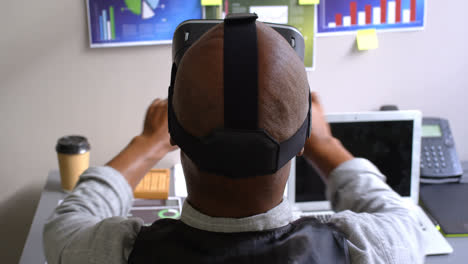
(240, 72)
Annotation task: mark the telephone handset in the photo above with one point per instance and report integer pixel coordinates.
(439, 159)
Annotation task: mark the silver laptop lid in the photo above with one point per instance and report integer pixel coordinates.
(390, 139)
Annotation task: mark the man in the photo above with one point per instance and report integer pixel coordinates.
(222, 215)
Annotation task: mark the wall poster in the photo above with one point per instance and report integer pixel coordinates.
(289, 12)
(137, 22)
(347, 16)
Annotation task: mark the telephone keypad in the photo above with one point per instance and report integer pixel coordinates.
(434, 158)
(438, 157)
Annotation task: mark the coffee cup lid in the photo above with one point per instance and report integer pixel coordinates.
(72, 145)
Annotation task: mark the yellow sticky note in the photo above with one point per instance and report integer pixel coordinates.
(309, 2)
(367, 39)
(211, 2)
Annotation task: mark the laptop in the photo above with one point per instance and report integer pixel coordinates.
(389, 139)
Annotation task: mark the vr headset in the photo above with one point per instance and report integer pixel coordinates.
(241, 149)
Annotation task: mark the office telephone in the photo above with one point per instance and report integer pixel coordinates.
(439, 159)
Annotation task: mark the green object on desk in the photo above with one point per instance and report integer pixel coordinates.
(446, 203)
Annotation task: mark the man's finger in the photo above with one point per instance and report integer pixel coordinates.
(153, 106)
(155, 102)
(315, 97)
(316, 100)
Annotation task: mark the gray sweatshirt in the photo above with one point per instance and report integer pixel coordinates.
(90, 225)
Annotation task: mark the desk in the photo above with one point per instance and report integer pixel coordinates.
(52, 193)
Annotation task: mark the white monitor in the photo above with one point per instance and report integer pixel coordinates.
(390, 139)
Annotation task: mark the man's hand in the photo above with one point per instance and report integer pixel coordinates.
(325, 151)
(155, 128)
(320, 128)
(145, 150)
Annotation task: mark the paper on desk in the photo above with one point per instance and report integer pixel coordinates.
(179, 181)
(367, 39)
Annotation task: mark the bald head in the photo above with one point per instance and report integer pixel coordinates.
(283, 94)
(198, 102)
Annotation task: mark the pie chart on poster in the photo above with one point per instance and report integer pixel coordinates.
(143, 8)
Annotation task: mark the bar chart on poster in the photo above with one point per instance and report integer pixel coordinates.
(340, 16)
(137, 22)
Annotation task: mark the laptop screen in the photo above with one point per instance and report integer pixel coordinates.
(387, 144)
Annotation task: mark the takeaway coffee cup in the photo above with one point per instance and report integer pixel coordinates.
(73, 158)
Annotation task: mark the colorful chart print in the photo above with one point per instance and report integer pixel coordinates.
(137, 22)
(288, 12)
(338, 16)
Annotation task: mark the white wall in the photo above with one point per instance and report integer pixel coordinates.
(52, 84)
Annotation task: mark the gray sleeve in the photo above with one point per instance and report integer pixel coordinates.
(90, 225)
(380, 226)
